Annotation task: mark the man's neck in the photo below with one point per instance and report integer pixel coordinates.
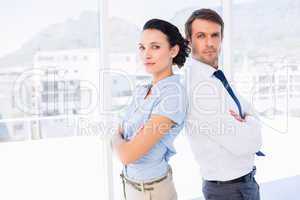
(213, 65)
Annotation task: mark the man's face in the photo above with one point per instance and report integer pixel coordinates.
(206, 39)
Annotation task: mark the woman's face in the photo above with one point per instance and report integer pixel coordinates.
(155, 51)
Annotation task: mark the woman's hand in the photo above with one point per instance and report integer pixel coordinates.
(120, 131)
(117, 137)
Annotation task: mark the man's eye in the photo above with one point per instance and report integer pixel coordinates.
(215, 35)
(141, 48)
(200, 36)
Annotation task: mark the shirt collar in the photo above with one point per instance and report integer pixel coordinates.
(175, 78)
(205, 68)
(166, 80)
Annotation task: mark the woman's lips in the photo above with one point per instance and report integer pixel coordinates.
(149, 64)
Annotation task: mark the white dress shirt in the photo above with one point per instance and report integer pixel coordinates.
(223, 146)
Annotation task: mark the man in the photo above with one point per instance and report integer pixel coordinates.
(222, 130)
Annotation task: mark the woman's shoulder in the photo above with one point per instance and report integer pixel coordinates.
(172, 87)
(172, 81)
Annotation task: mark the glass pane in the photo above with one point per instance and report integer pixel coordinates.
(266, 69)
(14, 130)
(265, 56)
(49, 61)
(49, 81)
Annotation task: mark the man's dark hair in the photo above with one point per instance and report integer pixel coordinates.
(206, 14)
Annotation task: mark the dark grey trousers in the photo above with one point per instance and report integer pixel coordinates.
(234, 191)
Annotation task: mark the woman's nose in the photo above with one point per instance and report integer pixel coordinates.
(147, 54)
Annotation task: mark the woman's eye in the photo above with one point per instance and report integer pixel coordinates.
(155, 47)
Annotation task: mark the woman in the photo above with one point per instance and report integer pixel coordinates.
(144, 142)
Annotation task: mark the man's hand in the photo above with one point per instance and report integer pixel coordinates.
(237, 116)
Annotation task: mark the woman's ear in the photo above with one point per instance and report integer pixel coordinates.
(175, 51)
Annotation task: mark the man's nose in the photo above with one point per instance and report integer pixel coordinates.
(209, 42)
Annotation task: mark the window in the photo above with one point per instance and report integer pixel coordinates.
(43, 43)
(265, 47)
(52, 79)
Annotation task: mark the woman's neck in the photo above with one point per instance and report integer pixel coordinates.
(160, 76)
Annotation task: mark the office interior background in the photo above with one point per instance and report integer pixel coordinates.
(68, 70)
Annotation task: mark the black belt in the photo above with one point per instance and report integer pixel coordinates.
(243, 179)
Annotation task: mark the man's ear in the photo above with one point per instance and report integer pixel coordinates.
(189, 42)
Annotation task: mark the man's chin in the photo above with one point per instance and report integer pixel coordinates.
(209, 62)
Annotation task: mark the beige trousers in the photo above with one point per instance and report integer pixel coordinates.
(164, 190)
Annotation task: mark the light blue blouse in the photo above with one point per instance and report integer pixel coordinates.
(168, 98)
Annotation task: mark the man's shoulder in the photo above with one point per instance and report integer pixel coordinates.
(196, 72)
